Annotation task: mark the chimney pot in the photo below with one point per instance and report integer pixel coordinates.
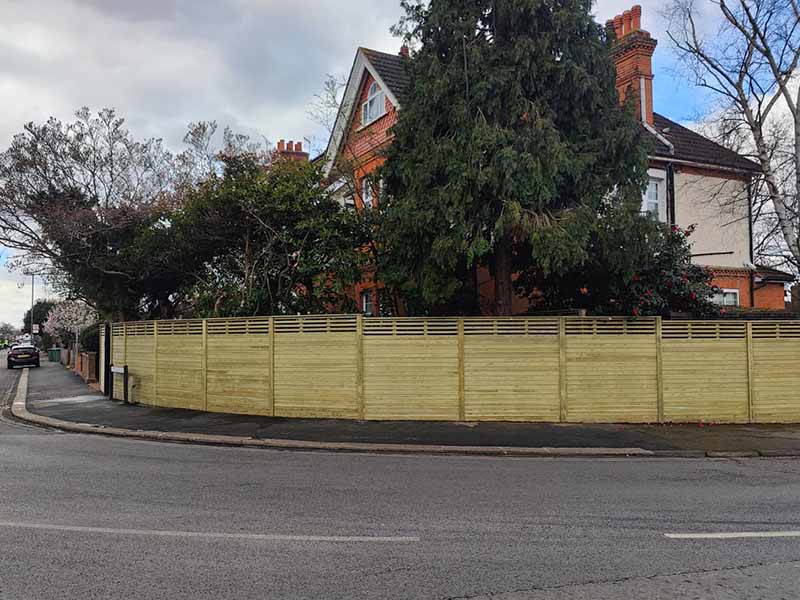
(298, 146)
(636, 17)
(626, 22)
(282, 146)
(618, 26)
(404, 51)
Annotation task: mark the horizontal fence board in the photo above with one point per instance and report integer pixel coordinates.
(705, 380)
(141, 360)
(411, 378)
(776, 380)
(238, 376)
(511, 377)
(180, 368)
(611, 378)
(315, 375)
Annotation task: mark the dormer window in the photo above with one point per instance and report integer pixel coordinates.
(375, 106)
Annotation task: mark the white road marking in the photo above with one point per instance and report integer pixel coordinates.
(268, 537)
(732, 535)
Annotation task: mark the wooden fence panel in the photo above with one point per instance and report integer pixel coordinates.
(705, 372)
(315, 375)
(411, 369)
(511, 377)
(611, 378)
(142, 361)
(776, 365)
(179, 365)
(238, 374)
(411, 378)
(512, 369)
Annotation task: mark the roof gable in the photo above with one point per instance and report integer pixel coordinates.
(386, 69)
(391, 69)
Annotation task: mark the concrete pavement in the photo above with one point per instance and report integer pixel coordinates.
(97, 517)
(61, 399)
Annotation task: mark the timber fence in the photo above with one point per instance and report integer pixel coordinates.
(551, 369)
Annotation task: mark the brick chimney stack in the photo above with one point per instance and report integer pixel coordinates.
(291, 150)
(404, 51)
(633, 56)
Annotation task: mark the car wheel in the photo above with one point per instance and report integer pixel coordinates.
(37, 364)
(10, 366)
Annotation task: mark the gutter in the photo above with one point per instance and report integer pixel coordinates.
(691, 163)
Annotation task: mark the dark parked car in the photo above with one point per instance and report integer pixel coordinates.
(23, 356)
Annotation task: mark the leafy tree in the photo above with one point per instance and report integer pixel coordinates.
(89, 206)
(635, 266)
(277, 242)
(7, 331)
(89, 339)
(510, 143)
(41, 308)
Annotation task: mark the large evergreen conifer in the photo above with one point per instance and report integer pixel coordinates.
(510, 143)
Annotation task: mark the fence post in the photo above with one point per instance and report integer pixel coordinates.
(462, 408)
(751, 396)
(562, 368)
(360, 367)
(659, 371)
(204, 364)
(155, 363)
(272, 366)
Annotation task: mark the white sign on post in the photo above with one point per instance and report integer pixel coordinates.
(35, 329)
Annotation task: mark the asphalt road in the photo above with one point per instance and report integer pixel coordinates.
(92, 517)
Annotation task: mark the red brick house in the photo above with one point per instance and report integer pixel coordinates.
(693, 180)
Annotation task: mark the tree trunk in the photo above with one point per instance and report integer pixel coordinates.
(503, 291)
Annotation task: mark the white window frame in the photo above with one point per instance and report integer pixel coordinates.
(368, 302)
(367, 193)
(375, 106)
(659, 178)
(722, 293)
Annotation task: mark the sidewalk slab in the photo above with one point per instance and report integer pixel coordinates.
(56, 393)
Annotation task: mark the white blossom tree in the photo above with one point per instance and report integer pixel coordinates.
(70, 317)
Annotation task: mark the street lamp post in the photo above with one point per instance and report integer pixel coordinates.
(33, 282)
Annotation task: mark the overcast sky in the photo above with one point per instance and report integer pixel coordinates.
(252, 64)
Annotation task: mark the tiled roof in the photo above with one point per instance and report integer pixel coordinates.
(771, 274)
(693, 147)
(391, 69)
(688, 145)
